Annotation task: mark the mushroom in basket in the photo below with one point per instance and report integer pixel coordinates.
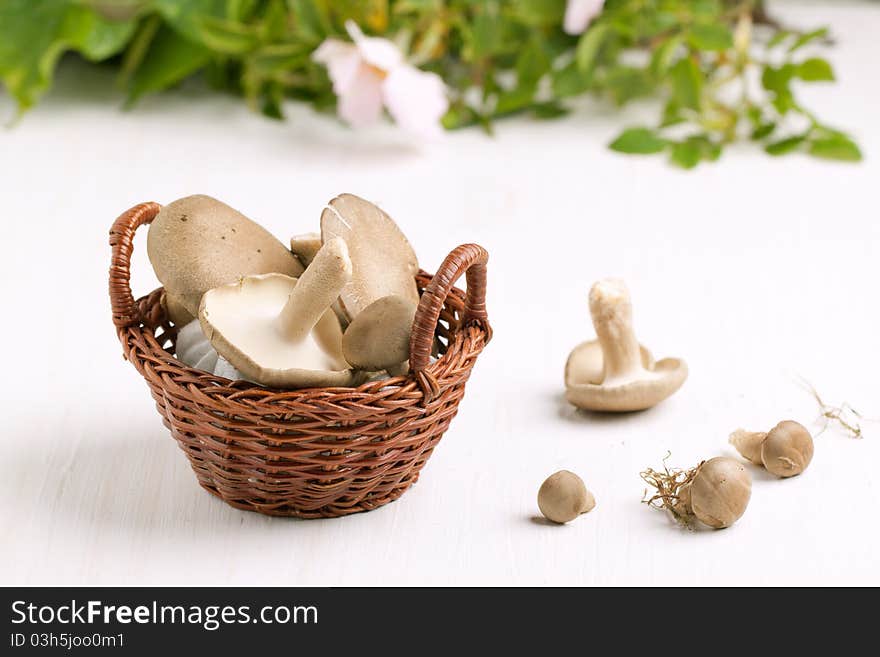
(280, 331)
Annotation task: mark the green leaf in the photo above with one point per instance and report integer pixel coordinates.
(762, 131)
(532, 64)
(809, 37)
(685, 154)
(710, 36)
(227, 37)
(785, 146)
(34, 34)
(171, 59)
(835, 147)
(570, 81)
(815, 70)
(540, 12)
(663, 55)
(778, 38)
(640, 141)
(550, 110)
(589, 45)
(624, 83)
(310, 19)
(187, 16)
(687, 83)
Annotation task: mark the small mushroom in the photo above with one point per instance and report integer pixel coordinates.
(614, 372)
(198, 243)
(304, 247)
(378, 338)
(280, 331)
(786, 450)
(563, 497)
(383, 262)
(718, 493)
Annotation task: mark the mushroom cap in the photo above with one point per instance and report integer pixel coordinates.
(305, 246)
(585, 373)
(383, 262)
(198, 243)
(241, 321)
(720, 492)
(563, 497)
(378, 338)
(788, 449)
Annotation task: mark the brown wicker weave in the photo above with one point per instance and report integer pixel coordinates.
(321, 452)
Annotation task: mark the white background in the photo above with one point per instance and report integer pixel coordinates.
(755, 270)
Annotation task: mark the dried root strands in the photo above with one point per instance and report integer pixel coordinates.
(786, 450)
(848, 418)
(715, 492)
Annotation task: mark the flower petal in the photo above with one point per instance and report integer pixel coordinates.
(416, 100)
(361, 102)
(381, 53)
(342, 61)
(579, 13)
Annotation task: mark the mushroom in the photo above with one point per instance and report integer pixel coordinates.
(614, 372)
(786, 450)
(378, 338)
(305, 246)
(563, 497)
(193, 349)
(383, 262)
(280, 331)
(198, 243)
(718, 493)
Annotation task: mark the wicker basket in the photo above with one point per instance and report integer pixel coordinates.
(321, 452)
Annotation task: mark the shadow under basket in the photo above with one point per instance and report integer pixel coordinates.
(318, 452)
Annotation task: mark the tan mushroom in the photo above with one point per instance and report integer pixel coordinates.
(786, 450)
(198, 243)
(280, 331)
(614, 372)
(305, 246)
(563, 497)
(378, 338)
(383, 262)
(718, 494)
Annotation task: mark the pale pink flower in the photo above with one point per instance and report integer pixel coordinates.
(371, 73)
(579, 13)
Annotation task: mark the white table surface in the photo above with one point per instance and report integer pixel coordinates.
(755, 271)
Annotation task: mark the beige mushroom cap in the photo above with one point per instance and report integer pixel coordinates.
(198, 243)
(563, 497)
(383, 261)
(788, 449)
(378, 338)
(305, 246)
(585, 387)
(720, 492)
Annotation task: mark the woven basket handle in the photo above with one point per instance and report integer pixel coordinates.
(125, 309)
(470, 258)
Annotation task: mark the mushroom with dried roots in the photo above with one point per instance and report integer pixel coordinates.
(378, 338)
(614, 372)
(198, 243)
(716, 492)
(786, 450)
(563, 497)
(279, 331)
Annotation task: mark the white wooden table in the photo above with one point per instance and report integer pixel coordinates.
(755, 271)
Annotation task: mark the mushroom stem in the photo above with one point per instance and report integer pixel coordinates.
(748, 443)
(316, 290)
(611, 311)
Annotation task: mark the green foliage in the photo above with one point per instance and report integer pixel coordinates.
(694, 56)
